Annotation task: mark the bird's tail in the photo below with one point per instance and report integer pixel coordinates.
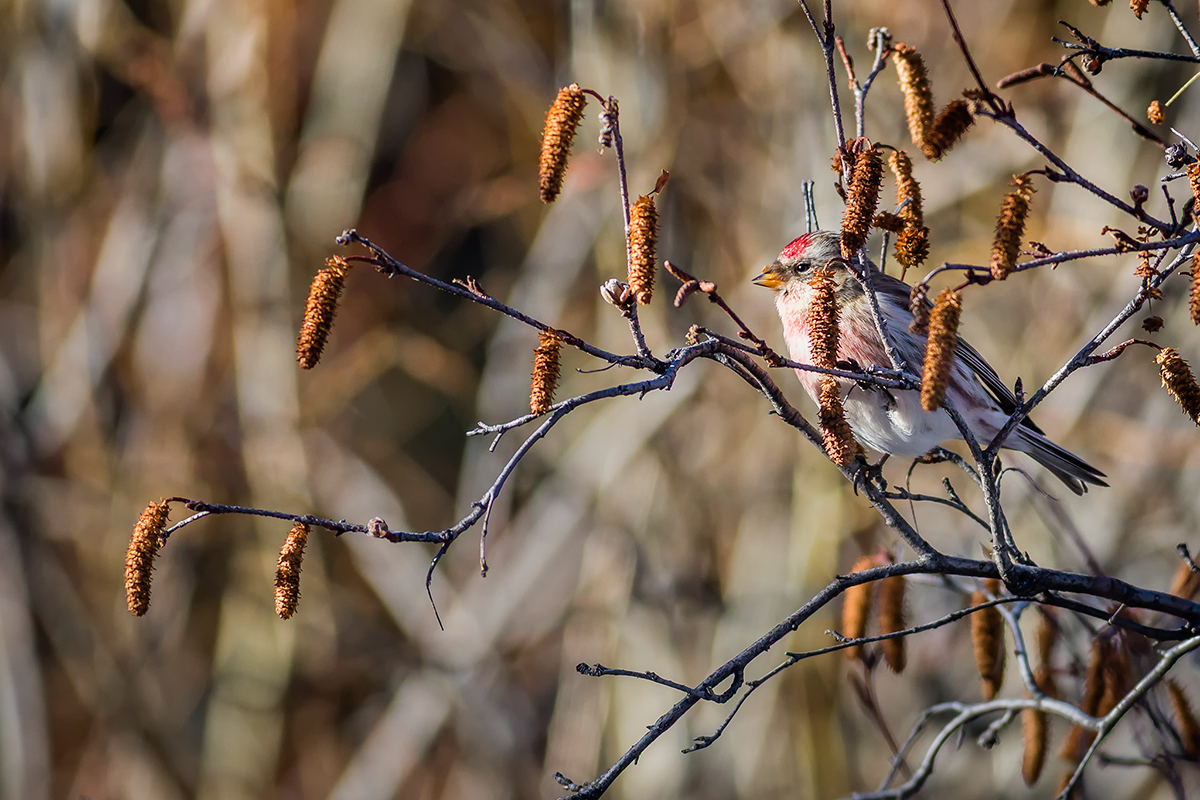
(1063, 464)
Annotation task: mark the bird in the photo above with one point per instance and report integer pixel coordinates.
(892, 421)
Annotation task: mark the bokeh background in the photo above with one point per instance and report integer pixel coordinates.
(173, 173)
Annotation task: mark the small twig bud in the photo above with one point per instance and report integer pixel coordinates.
(861, 200)
(287, 574)
(1179, 381)
(939, 349)
(1010, 227)
(918, 306)
(1185, 719)
(615, 292)
(322, 304)
(891, 620)
(377, 527)
(839, 439)
(823, 319)
(643, 247)
(1155, 113)
(987, 640)
(546, 360)
(856, 607)
(562, 120)
(139, 558)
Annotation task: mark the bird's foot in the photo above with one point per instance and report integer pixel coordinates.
(868, 474)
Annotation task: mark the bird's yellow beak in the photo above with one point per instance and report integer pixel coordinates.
(769, 277)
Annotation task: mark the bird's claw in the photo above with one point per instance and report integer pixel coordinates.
(868, 474)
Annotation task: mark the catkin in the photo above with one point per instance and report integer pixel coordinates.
(1193, 175)
(1185, 719)
(1179, 381)
(891, 620)
(1194, 297)
(987, 640)
(322, 304)
(546, 362)
(856, 607)
(908, 191)
(861, 200)
(561, 122)
(939, 349)
(287, 574)
(887, 221)
(1079, 738)
(1138, 7)
(1010, 227)
(139, 558)
(835, 431)
(643, 247)
(918, 95)
(954, 121)
(823, 319)
(1046, 639)
(918, 306)
(912, 247)
(1035, 731)
(1155, 113)
(1185, 582)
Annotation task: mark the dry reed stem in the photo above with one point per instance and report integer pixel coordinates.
(939, 350)
(562, 120)
(643, 248)
(823, 318)
(891, 620)
(856, 607)
(861, 200)
(139, 558)
(546, 365)
(1010, 227)
(1185, 719)
(287, 574)
(835, 431)
(322, 304)
(1179, 381)
(987, 640)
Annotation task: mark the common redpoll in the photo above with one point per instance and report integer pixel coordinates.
(892, 421)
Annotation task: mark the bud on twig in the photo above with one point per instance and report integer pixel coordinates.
(643, 248)
(891, 620)
(615, 292)
(987, 640)
(839, 439)
(323, 298)
(1010, 227)
(545, 372)
(1179, 381)
(562, 120)
(823, 319)
(863, 197)
(939, 349)
(287, 574)
(139, 558)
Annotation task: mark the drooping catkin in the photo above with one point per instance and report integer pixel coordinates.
(1118, 677)
(1010, 227)
(861, 200)
(908, 191)
(987, 640)
(322, 304)
(1079, 738)
(546, 363)
(1193, 175)
(823, 318)
(887, 221)
(1035, 731)
(835, 431)
(918, 95)
(139, 558)
(1186, 582)
(1185, 719)
(891, 620)
(643, 248)
(912, 247)
(1194, 296)
(856, 607)
(287, 574)
(1045, 640)
(939, 349)
(918, 306)
(954, 121)
(1179, 381)
(562, 120)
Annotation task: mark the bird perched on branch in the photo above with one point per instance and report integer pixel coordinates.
(892, 421)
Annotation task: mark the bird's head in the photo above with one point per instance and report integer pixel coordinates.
(800, 258)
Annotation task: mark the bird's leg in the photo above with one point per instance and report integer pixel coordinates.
(866, 473)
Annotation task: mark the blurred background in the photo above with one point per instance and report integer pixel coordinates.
(172, 174)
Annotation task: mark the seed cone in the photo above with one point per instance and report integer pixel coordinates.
(643, 247)
(1010, 227)
(546, 361)
(861, 200)
(139, 558)
(287, 575)
(1179, 381)
(1194, 297)
(839, 439)
(891, 620)
(1185, 719)
(939, 350)
(856, 607)
(987, 640)
(562, 120)
(954, 121)
(918, 94)
(322, 304)
(823, 319)
(918, 306)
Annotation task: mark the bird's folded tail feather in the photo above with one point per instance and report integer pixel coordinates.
(1063, 464)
